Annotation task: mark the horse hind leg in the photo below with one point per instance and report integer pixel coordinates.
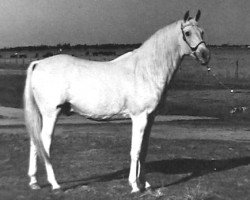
(33, 167)
(46, 135)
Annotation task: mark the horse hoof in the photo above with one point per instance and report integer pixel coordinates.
(35, 186)
(135, 190)
(57, 191)
(147, 185)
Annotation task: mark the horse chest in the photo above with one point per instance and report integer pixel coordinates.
(145, 98)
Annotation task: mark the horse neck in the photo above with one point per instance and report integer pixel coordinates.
(161, 55)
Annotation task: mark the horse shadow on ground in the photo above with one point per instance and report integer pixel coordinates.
(193, 167)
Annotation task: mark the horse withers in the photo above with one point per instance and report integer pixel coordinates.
(133, 84)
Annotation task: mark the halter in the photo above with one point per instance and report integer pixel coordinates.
(185, 39)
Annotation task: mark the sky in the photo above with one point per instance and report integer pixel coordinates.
(49, 22)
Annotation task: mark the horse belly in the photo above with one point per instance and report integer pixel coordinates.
(97, 102)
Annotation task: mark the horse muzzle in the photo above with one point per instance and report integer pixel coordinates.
(203, 55)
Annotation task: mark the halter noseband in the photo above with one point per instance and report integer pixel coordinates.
(185, 39)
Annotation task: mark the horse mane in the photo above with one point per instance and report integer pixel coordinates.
(158, 35)
(158, 53)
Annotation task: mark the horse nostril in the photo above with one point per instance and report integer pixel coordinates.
(204, 54)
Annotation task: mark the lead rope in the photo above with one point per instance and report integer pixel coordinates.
(221, 83)
(235, 109)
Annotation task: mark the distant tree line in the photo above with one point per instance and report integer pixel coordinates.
(68, 46)
(230, 45)
(104, 53)
(18, 56)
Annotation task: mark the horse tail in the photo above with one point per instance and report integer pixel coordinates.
(32, 114)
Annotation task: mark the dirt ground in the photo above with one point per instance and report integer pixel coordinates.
(187, 159)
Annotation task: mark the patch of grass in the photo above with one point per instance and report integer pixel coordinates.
(11, 89)
(198, 193)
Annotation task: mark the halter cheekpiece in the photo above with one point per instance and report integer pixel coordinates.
(185, 39)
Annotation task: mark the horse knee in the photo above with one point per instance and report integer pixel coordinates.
(134, 155)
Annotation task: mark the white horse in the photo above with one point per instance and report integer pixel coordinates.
(133, 84)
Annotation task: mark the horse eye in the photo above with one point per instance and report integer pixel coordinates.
(187, 33)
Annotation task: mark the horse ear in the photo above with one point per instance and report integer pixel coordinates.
(186, 16)
(198, 15)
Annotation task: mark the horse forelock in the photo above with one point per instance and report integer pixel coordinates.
(191, 22)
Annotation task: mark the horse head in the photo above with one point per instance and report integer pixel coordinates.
(192, 39)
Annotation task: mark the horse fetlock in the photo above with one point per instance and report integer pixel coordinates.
(55, 186)
(53, 183)
(138, 185)
(135, 187)
(33, 179)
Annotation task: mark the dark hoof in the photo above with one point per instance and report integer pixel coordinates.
(57, 191)
(35, 186)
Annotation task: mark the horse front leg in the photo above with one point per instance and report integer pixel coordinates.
(136, 175)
